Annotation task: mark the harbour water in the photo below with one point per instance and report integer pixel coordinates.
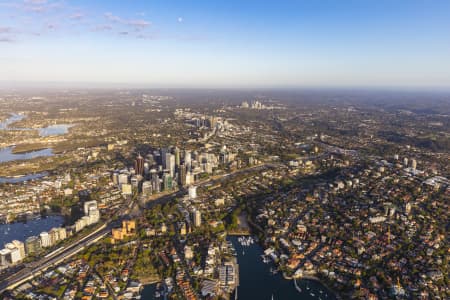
(148, 292)
(256, 280)
(21, 231)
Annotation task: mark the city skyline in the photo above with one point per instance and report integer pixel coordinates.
(221, 45)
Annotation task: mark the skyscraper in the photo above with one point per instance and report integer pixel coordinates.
(413, 164)
(182, 175)
(167, 180)
(177, 157)
(197, 218)
(187, 160)
(139, 165)
(170, 164)
(164, 153)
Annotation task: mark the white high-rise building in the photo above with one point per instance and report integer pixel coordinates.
(15, 256)
(192, 192)
(147, 188)
(62, 233)
(197, 217)
(188, 160)
(45, 239)
(94, 215)
(79, 225)
(5, 257)
(413, 164)
(170, 164)
(123, 178)
(88, 205)
(19, 245)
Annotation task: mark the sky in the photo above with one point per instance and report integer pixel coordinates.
(233, 43)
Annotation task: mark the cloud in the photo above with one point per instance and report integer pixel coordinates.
(36, 2)
(146, 36)
(41, 5)
(138, 23)
(180, 20)
(123, 33)
(5, 30)
(113, 18)
(135, 23)
(6, 40)
(77, 16)
(105, 27)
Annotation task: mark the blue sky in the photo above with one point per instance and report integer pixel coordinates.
(234, 43)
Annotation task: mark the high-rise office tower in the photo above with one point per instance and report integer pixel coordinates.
(167, 180)
(197, 218)
(139, 165)
(413, 164)
(170, 164)
(182, 175)
(164, 153)
(187, 160)
(177, 157)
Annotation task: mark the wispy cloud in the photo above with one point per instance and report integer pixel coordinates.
(5, 30)
(131, 22)
(61, 17)
(36, 2)
(113, 18)
(138, 23)
(6, 40)
(104, 27)
(76, 16)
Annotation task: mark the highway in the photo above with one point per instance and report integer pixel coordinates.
(52, 259)
(35, 268)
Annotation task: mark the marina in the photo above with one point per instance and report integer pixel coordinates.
(260, 279)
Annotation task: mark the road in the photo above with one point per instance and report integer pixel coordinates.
(33, 269)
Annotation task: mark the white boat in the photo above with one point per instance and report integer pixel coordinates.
(312, 294)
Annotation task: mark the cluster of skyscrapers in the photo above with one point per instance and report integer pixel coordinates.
(163, 170)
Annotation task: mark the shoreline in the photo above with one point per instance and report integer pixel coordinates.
(314, 278)
(306, 277)
(18, 177)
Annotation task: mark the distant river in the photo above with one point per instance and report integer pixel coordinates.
(57, 129)
(21, 231)
(6, 153)
(22, 178)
